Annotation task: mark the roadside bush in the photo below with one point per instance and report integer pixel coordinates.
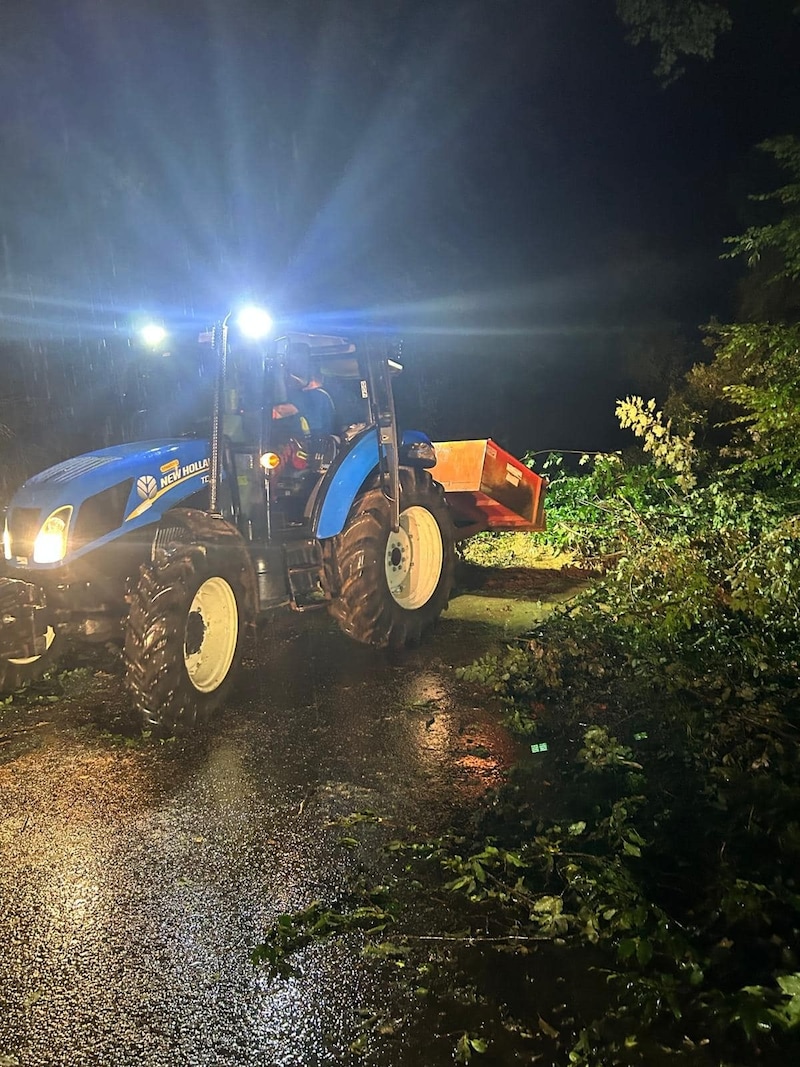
(667, 694)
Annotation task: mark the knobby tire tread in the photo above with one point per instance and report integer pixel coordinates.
(364, 608)
(155, 673)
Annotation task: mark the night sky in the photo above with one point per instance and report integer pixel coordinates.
(502, 182)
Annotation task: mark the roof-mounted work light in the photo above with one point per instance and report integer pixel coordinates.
(254, 322)
(153, 334)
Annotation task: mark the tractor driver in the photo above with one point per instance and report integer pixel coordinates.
(310, 405)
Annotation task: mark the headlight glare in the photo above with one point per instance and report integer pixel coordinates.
(50, 545)
(6, 540)
(153, 334)
(254, 322)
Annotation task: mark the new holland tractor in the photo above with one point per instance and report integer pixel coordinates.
(287, 495)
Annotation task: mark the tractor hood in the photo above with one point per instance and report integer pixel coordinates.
(104, 494)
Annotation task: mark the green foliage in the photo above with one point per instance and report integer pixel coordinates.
(678, 672)
(76, 682)
(601, 511)
(782, 235)
(371, 913)
(762, 362)
(676, 27)
(601, 751)
(669, 450)
(751, 383)
(621, 872)
(466, 1045)
(506, 548)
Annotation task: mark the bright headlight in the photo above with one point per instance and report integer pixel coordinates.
(50, 545)
(153, 334)
(254, 322)
(6, 540)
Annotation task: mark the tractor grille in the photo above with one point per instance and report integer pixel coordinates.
(23, 525)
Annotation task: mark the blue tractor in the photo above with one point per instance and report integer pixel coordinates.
(286, 494)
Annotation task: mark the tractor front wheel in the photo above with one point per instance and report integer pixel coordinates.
(394, 584)
(17, 673)
(182, 640)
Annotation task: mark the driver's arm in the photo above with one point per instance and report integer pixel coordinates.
(283, 411)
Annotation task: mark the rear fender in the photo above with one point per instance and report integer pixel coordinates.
(341, 485)
(346, 478)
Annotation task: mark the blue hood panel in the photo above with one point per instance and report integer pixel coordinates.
(162, 473)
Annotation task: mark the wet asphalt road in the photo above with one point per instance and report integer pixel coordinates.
(136, 877)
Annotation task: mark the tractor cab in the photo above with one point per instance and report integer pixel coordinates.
(288, 412)
(303, 421)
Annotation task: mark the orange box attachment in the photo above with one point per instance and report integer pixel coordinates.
(487, 488)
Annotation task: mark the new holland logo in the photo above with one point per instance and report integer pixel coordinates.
(176, 473)
(146, 487)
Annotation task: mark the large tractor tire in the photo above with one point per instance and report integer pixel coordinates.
(17, 673)
(393, 585)
(183, 639)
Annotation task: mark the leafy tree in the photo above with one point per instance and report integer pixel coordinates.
(750, 391)
(676, 27)
(764, 391)
(781, 236)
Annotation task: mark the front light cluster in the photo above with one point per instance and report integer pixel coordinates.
(50, 545)
(6, 540)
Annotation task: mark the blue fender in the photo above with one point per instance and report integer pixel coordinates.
(345, 480)
(348, 476)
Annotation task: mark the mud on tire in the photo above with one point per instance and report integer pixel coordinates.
(393, 586)
(183, 639)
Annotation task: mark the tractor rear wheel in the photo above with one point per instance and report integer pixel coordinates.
(394, 584)
(182, 640)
